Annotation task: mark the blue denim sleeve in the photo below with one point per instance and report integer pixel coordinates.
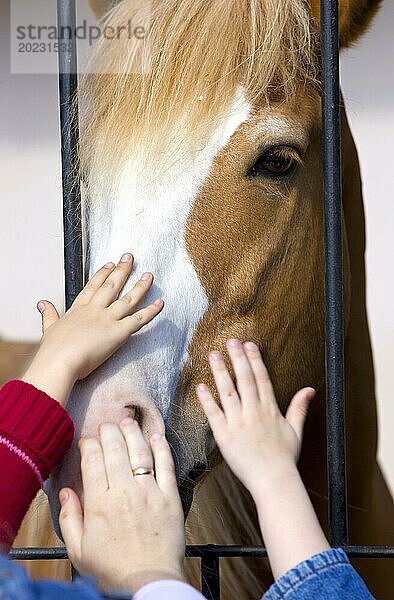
(327, 576)
(15, 584)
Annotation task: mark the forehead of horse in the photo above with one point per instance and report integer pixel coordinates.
(269, 124)
(251, 244)
(278, 118)
(241, 219)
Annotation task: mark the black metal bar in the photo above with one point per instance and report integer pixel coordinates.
(72, 222)
(336, 459)
(210, 577)
(208, 551)
(74, 573)
(232, 551)
(38, 553)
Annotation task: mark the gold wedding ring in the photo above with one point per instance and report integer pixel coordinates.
(142, 471)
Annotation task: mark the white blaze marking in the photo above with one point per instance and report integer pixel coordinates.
(273, 127)
(148, 218)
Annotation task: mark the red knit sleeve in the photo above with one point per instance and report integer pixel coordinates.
(35, 433)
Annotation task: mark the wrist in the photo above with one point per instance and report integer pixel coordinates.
(55, 380)
(288, 523)
(276, 479)
(143, 577)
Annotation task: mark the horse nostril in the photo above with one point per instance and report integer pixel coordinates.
(131, 410)
(135, 413)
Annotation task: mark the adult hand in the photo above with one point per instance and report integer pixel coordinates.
(131, 529)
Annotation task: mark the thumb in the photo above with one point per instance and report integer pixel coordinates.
(49, 314)
(298, 409)
(71, 522)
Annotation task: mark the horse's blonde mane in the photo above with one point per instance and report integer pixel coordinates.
(184, 76)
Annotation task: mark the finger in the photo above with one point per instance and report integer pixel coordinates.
(164, 465)
(139, 453)
(245, 379)
(116, 456)
(225, 385)
(71, 522)
(49, 314)
(94, 476)
(212, 410)
(128, 303)
(94, 284)
(112, 286)
(298, 410)
(142, 317)
(263, 381)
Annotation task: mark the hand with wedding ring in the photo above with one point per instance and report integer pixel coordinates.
(131, 529)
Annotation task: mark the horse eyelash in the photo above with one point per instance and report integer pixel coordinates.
(290, 153)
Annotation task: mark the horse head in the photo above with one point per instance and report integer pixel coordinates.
(200, 153)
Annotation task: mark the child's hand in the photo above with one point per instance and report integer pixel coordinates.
(131, 529)
(96, 325)
(257, 442)
(261, 447)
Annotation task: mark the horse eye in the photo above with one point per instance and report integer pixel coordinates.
(278, 161)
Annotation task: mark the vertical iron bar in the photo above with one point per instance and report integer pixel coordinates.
(72, 223)
(210, 577)
(72, 218)
(74, 573)
(333, 276)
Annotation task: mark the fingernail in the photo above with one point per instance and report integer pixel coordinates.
(125, 257)
(109, 265)
(145, 276)
(158, 302)
(156, 437)
(41, 307)
(250, 346)
(215, 355)
(234, 343)
(202, 387)
(63, 497)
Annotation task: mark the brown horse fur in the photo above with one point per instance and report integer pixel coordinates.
(218, 500)
(14, 358)
(221, 511)
(355, 17)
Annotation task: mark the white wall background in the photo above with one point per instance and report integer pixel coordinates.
(368, 86)
(30, 209)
